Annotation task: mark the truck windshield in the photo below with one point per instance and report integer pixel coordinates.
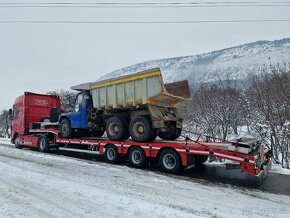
(14, 112)
(79, 99)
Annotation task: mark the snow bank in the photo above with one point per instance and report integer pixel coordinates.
(47, 185)
(278, 169)
(5, 141)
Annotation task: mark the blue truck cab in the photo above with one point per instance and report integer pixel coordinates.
(77, 119)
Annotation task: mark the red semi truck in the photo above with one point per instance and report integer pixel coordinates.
(31, 108)
(34, 125)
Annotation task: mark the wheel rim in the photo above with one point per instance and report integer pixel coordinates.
(111, 153)
(42, 144)
(113, 128)
(169, 161)
(136, 157)
(138, 129)
(64, 128)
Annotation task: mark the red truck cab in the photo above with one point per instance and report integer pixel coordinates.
(30, 108)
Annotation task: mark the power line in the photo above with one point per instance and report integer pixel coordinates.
(151, 3)
(147, 4)
(142, 6)
(142, 22)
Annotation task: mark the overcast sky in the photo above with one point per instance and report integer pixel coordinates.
(41, 57)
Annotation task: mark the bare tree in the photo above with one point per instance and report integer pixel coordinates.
(220, 109)
(270, 96)
(67, 98)
(5, 124)
(215, 109)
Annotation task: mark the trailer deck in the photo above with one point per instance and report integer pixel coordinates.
(252, 157)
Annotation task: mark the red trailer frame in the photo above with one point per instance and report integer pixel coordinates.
(256, 162)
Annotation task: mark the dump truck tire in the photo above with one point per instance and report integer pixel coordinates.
(117, 129)
(141, 129)
(172, 134)
(65, 128)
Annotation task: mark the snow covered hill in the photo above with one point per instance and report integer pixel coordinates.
(234, 63)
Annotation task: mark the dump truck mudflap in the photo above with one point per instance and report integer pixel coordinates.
(160, 115)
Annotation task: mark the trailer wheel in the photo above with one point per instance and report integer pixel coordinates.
(17, 142)
(172, 134)
(137, 157)
(111, 154)
(141, 129)
(117, 129)
(170, 161)
(43, 144)
(65, 128)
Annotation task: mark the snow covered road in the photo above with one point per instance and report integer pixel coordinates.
(34, 184)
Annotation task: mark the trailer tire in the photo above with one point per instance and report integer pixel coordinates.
(172, 134)
(17, 142)
(137, 157)
(170, 161)
(65, 129)
(141, 129)
(43, 144)
(111, 154)
(117, 129)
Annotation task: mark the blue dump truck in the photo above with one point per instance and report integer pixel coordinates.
(139, 105)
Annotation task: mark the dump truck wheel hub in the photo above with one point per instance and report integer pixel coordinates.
(138, 129)
(63, 128)
(114, 129)
(141, 129)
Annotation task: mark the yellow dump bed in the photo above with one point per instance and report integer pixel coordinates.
(137, 89)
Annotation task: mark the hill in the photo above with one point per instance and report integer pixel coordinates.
(234, 63)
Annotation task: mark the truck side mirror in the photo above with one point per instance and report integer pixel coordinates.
(10, 112)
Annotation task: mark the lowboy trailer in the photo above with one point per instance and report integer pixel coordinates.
(32, 127)
(252, 156)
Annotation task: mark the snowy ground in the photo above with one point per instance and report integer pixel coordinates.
(46, 185)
